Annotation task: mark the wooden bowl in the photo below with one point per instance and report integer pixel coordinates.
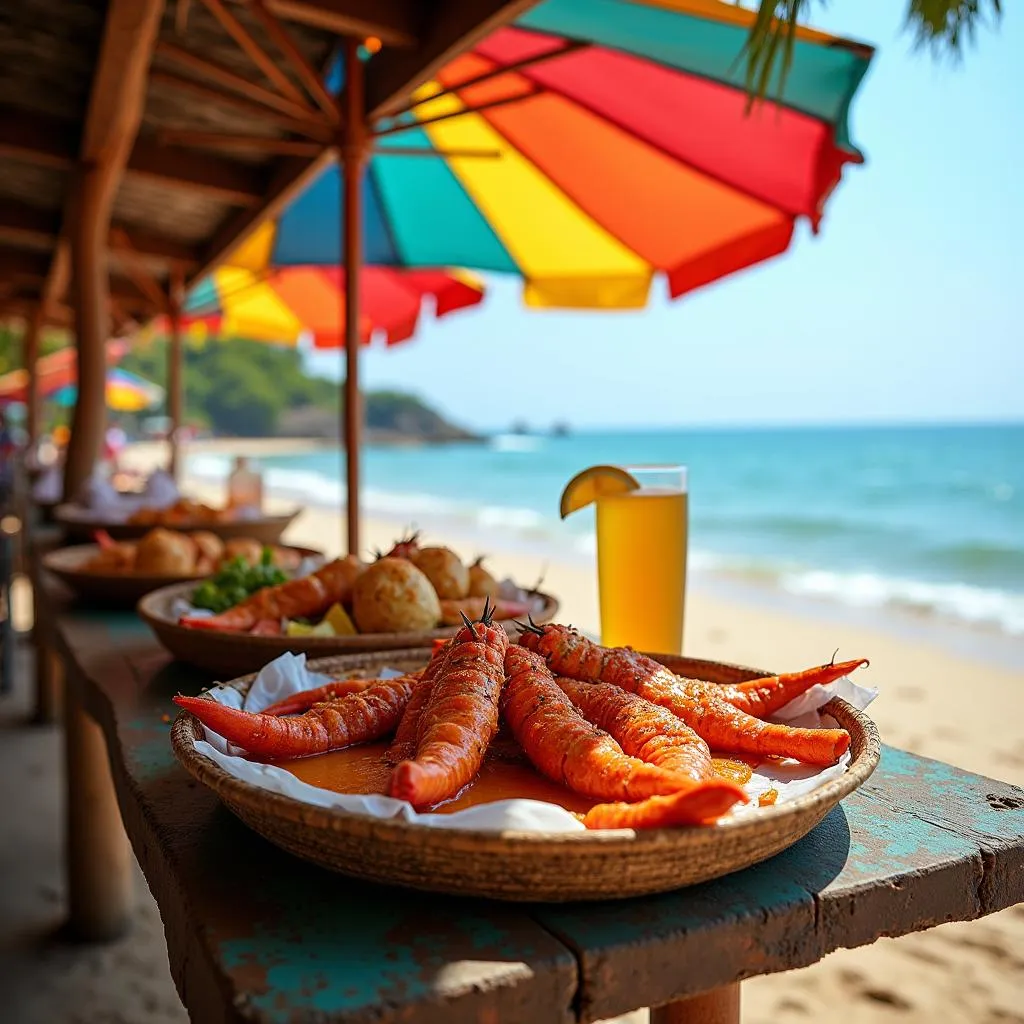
(82, 524)
(122, 590)
(225, 655)
(528, 866)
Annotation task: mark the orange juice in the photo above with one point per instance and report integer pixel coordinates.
(641, 565)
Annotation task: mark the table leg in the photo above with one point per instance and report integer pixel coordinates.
(49, 671)
(49, 686)
(99, 869)
(719, 1006)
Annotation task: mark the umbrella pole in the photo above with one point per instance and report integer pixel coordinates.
(352, 151)
(174, 386)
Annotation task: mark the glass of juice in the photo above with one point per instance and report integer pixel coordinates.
(641, 561)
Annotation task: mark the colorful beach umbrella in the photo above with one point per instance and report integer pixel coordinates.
(587, 147)
(126, 392)
(592, 145)
(53, 372)
(283, 305)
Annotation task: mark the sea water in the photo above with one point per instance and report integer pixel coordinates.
(929, 519)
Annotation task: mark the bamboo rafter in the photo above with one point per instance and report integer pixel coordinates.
(306, 73)
(424, 122)
(250, 143)
(448, 154)
(254, 51)
(181, 16)
(301, 147)
(226, 77)
(572, 46)
(315, 127)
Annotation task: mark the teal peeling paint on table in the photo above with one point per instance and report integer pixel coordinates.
(255, 934)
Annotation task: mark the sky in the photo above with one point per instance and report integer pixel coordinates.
(905, 308)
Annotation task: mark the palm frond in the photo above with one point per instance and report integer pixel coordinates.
(942, 26)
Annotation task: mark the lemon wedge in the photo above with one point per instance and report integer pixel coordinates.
(303, 629)
(340, 621)
(323, 629)
(586, 487)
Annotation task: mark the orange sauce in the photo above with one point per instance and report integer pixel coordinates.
(736, 768)
(504, 775)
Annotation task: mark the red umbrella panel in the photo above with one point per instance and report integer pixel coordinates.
(281, 306)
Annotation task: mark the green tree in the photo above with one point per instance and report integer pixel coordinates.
(235, 386)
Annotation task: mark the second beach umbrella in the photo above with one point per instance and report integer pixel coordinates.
(282, 305)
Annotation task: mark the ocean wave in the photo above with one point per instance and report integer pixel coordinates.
(977, 606)
(305, 485)
(320, 489)
(980, 602)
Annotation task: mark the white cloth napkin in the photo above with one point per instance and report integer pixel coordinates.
(288, 674)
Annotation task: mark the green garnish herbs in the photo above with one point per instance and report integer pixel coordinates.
(237, 580)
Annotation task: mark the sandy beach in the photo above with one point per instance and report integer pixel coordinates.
(932, 702)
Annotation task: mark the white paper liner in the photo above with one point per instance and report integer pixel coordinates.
(288, 674)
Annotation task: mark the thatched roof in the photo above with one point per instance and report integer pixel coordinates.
(183, 200)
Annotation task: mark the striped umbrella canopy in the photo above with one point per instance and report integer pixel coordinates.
(590, 146)
(587, 147)
(282, 305)
(54, 371)
(126, 392)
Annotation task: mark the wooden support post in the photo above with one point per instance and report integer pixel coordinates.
(99, 858)
(719, 1006)
(174, 373)
(89, 229)
(108, 134)
(49, 668)
(353, 151)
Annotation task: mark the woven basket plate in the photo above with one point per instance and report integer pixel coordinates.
(83, 524)
(112, 589)
(232, 654)
(527, 866)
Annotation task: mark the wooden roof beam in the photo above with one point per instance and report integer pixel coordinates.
(227, 78)
(314, 125)
(304, 71)
(393, 22)
(34, 225)
(253, 50)
(455, 26)
(54, 142)
(228, 181)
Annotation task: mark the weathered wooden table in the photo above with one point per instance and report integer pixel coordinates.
(254, 934)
